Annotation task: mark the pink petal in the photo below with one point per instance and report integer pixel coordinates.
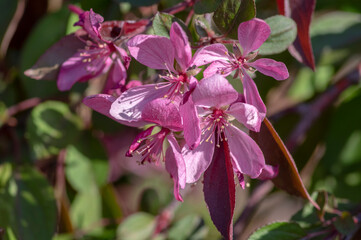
(116, 76)
(252, 34)
(198, 159)
(138, 140)
(183, 52)
(240, 177)
(214, 91)
(102, 103)
(268, 172)
(246, 114)
(247, 157)
(251, 94)
(175, 166)
(90, 22)
(223, 68)
(272, 68)
(81, 68)
(209, 54)
(163, 112)
(129, 106)
(153, 51)
(192, 131)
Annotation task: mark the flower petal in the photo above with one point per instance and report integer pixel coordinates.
(129, 106)
(209, 54)
(183, 52)
(223, 68)
(81, 67)
(192, 131)
(270, 67)
(198, 159)
(214, 91)
(153, 51)
(102, 103)
(246, 155)
(163, 112)
(90, 21)
(246, 114)
(116, 76)
(252, 34)
(175, 166)
(252, 96)
(268, 172)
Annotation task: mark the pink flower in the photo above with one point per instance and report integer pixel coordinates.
(159, 53)
(149, 144)
(216, 104)
(98, 57)
(251, 35)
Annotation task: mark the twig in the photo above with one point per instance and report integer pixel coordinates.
(257, 196)
(10, 31)
(179, 7)
(22, 106)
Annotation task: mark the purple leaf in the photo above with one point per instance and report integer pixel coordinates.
(219, 191)
(301, 12)
(276, 154)
(47, 67)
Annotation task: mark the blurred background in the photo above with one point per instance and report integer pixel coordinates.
(63, 170)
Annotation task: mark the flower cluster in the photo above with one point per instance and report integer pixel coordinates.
(205, 113)
(191, 119)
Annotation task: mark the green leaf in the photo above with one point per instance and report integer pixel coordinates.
(139, 226)
(279, 231)
(51, 127)
(231, 13)
(163, 22)
(206, 6)
(345, 224)
(86, 209)
(48, 30)
(149, 201)
(3, 113)
(283, 33)
(27, 206)
(82, 171)
(186, 228)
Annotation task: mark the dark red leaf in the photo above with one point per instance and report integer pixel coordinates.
(301, 12)
(276, 154)
(219, 191)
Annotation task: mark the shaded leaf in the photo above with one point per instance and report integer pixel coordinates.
(283, 33)
(231, 13)
(27, 205)
(149, 201)
(301, 12)
(51, 127)
(48, 31)
(276, 154)
(3, 113)
(139, 226)
(279, 231)
(206, 6)
(219, 191)
(345, 224)
(162, 23)
(47, 66)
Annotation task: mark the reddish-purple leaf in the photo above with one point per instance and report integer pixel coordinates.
(219, 191)
(301, 12)
(47, 67)
(276, 154)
